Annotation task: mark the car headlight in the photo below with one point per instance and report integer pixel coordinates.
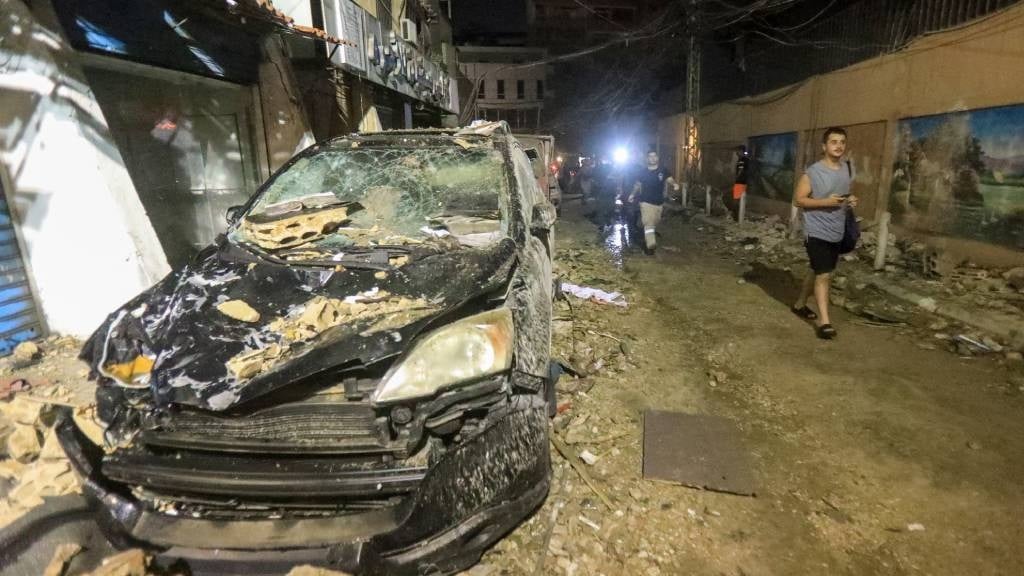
(463, 351)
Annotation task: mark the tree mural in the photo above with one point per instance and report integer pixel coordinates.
(962, 174)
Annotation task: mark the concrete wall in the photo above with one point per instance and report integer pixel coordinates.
(974, 67)
(87, 239)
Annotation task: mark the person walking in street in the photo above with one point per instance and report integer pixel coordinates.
(739, 187)
(823, 193)
(650, 186)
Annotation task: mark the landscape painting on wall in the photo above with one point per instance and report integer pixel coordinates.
(772, 163)
(962, 174)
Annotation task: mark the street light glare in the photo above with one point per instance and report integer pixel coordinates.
(620, 155)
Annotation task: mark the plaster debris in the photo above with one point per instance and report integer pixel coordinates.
(61, 557)
(275, 233)
(239, 310)
(25, 353)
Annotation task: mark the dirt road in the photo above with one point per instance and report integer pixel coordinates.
(873, 454)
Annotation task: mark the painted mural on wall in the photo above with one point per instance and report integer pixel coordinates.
(773, 160)
(962, 174)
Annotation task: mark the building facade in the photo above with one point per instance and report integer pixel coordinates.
(397, 68)
(508, 83)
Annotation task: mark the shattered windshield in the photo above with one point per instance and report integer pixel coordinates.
(363, 194)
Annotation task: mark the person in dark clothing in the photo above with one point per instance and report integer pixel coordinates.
(605, 189)
(649, 187)
(739, 186)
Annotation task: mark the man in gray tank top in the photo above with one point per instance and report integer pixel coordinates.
(823, 193)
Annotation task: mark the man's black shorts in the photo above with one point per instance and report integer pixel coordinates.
(824, 255)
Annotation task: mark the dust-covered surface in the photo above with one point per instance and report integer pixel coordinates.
(872, 453)
(33, 383)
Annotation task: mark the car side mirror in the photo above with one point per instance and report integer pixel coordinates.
(233, 214)
(544, 216)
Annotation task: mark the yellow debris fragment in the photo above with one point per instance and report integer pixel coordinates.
(296, 230)
(23, 444)
(132, 562)
(61, 557)
(239, 310)
(129, 371)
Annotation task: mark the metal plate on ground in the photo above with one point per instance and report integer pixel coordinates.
(696, 450)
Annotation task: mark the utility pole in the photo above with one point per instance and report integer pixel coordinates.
(692, 132)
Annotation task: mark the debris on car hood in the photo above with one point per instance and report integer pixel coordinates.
(225, 330)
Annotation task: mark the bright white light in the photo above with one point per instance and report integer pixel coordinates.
(620, 155)
(558, 159)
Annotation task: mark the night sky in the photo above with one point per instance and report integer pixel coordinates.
(474, 18)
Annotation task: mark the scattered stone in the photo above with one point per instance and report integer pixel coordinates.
(1014, 356)
(589, 457)
(915, 527)
(23, 444)
(61, 557)
(717, 377)
(25, 354)
(239, 310)
(1015, 277)
(132, 562)
(928, 304)
(973, 445)
(938, 325)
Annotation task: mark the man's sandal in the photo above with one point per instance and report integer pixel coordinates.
(826, 332)
(805, 313)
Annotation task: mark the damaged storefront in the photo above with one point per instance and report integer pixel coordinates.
(179, 86)
(153, 119)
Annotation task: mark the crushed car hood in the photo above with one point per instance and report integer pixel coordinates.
(225, 329)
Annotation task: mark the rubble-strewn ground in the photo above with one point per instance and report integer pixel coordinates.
(895, 449)
(886, 451)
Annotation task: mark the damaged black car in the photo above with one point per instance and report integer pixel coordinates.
(356, 375)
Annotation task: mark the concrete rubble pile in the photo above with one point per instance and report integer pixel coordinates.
(956, 305)
(35, 380)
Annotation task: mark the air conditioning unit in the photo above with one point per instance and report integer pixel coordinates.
(409, 31)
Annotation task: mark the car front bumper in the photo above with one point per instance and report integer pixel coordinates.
(476, 492)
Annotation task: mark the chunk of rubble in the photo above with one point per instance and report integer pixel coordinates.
(25, 353)
(372, 312)
(132, 562)
(23, 444)
(239, 310)
(61, 557)
(272, 233)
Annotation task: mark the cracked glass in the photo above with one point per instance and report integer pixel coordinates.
(386, 195)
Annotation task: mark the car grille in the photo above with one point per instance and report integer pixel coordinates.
(310, 427)
(255, 478)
